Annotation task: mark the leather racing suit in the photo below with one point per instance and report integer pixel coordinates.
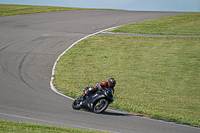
(102, 85)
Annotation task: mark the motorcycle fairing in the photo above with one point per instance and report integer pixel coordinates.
(92, 98)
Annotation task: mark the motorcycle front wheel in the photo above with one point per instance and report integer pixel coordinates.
(76, 104)
(100, 106)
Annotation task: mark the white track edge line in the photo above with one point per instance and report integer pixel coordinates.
(53, 69)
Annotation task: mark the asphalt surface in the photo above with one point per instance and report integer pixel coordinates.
(29, 47)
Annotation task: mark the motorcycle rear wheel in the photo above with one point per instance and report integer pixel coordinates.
(100, 106)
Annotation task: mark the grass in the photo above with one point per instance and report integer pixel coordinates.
(184, 24)
(19, 127)
(10, 10)
(156, 76)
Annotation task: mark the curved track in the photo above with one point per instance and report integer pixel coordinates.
(29, 46)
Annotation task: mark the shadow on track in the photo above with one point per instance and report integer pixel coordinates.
(115, 113)
(109, 113)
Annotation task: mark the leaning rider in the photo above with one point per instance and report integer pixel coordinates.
(103, 85)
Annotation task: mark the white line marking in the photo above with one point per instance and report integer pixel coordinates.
(52, 78)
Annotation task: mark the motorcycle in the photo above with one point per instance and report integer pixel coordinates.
(96, 102)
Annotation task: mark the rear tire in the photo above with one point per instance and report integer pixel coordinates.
(100, 106)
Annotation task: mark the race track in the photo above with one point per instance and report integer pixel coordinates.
(29, 47)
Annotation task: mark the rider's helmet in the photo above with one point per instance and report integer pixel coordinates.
(111, 82)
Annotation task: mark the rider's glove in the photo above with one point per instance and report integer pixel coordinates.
(99, 87)
(90, 89)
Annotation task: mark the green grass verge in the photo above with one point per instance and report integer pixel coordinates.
(156, 76)
(184, 24)
(10, 10)
(19, 127)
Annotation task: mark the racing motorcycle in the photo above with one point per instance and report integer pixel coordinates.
(96, 102)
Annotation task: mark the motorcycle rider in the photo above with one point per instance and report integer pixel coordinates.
(103, 85)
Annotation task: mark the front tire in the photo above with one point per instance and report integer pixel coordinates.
(76, 104)
(100, 106)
